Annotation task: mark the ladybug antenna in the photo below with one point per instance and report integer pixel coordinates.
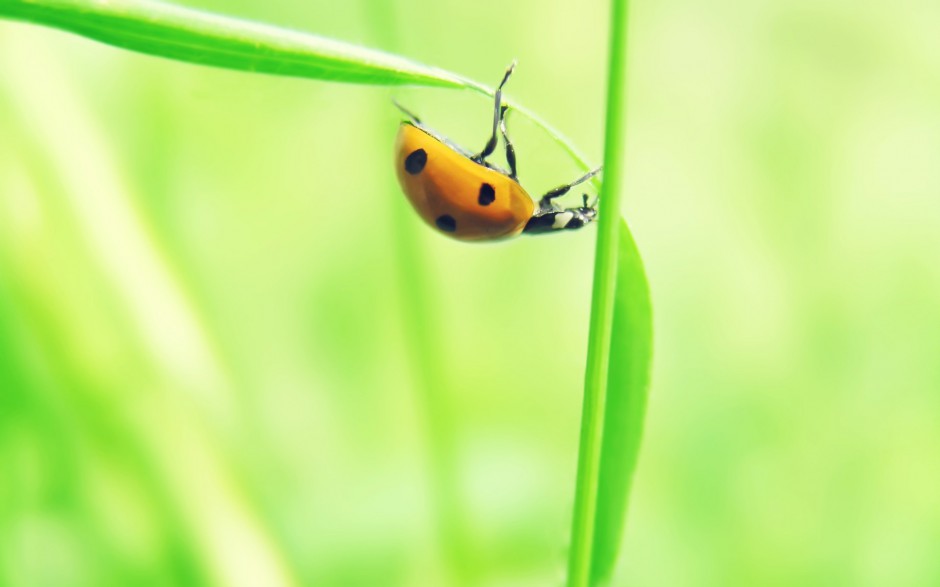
(414, 119)
(509, 70)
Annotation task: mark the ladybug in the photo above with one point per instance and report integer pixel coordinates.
(466, 197)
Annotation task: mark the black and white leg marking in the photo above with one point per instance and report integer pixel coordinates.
(548, 217)
(562, 218)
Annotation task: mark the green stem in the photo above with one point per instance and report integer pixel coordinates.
(602, 306)
(427, 354)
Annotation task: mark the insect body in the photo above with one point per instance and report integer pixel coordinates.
(466, 197)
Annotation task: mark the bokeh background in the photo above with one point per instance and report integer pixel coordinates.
(230, 354)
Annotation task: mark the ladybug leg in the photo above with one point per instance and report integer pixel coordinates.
(491, 144)
(545, 202)
(510, 150)
(562, 219)
(549, 217)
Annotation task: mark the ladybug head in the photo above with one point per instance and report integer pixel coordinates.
(588, 210)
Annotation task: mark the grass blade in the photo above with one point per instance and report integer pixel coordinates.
(183, 34)
(200, 37)
(620, 303)
(627, 384)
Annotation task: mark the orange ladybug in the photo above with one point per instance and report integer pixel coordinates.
(468, 198)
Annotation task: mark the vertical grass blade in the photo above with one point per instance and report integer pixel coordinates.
(605, 455)
(427, 354)
(627, 383)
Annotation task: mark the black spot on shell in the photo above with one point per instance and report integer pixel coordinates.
(446, 223)
(487, 195)
(416, 161)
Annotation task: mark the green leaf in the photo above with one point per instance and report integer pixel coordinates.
(627, 384)
(199, 37)
(194, 36)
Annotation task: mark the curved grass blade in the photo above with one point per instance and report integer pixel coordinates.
(200, 37)
(627, 384)
(183, 34)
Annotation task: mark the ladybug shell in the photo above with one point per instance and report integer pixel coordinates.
(454, 194)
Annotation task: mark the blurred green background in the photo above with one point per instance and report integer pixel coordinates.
(230, 354)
